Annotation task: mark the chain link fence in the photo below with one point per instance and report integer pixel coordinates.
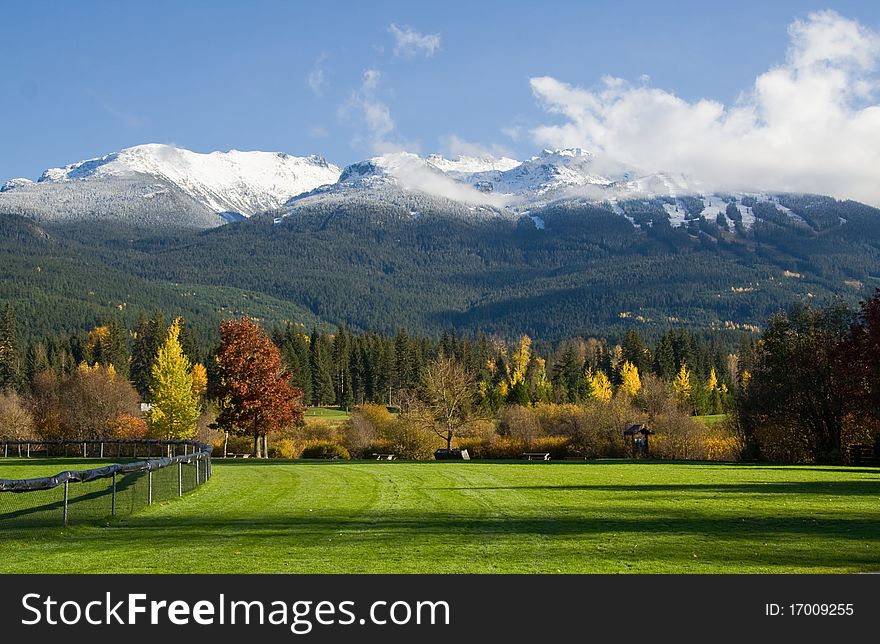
(100, 493)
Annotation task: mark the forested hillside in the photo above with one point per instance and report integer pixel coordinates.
(584, 270)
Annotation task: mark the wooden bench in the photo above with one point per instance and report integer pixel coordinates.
(536, 456)
(384, 457)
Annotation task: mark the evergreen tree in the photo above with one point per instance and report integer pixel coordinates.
(295, 355)
(635, 351)
(189, 341)
(10, 360)
(664, 357)
(568, 374)
(403, 366)
(37, 360)
(175, 402)
(322, 371)
(714, 394)
(115, 349)
(341, 356)
(684, 349)
(150, 333)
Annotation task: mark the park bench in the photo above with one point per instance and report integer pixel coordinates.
(536, 456)
(384, 457)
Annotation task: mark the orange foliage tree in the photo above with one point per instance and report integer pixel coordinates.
(253, 390)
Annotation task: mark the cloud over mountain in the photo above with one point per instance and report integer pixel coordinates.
(810, 124)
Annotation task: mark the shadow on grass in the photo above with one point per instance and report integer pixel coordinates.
(403, 527)
(830, 488)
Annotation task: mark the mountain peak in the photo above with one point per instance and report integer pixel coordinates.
(244, 182)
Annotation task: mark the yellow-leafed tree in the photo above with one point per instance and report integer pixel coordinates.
(199, 380)
(682, 386)
(630, 383)
(600, 386)
(520, 360)
(175, 405)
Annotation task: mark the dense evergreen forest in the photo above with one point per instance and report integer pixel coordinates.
(377, 267)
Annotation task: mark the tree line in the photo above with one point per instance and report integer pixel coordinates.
(803, 391)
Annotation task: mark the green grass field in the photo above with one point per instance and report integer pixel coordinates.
(712, 419)
(327, 413)
(399, 517)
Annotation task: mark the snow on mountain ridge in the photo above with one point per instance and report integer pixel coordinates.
(12, 184)
(233, 181)
(471, 165)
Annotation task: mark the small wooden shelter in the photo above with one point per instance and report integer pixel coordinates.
(638, 434)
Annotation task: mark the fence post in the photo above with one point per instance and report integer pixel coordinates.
(28, 450)
(197, 472)
(150, 487)
(66, 486)
(102, 449)
(84, 450)
(113, 497)
(179, 478)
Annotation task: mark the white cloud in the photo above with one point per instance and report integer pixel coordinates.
(315, 79)
(409, 42)
(456, 146)
(365, 106)
(513, 132)
(811, 124)
(414, 174)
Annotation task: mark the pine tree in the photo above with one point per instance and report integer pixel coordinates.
(115, 350)
(37, 360)
(568, 372)
(403, 366)
(714, 394)
(10, 360)
(664, 360)
(150, 333)
(175, 401)
(321, 368)
(295, 355)
(635, 351)
(341, 356)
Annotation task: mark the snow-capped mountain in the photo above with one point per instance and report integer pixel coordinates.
(152, 182)
(162, 185)
(234, 181)
(553, 172)
(465, 165)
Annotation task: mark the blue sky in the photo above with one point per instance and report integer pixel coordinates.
(336, 78)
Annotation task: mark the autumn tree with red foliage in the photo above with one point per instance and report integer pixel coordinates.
(253, 390)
